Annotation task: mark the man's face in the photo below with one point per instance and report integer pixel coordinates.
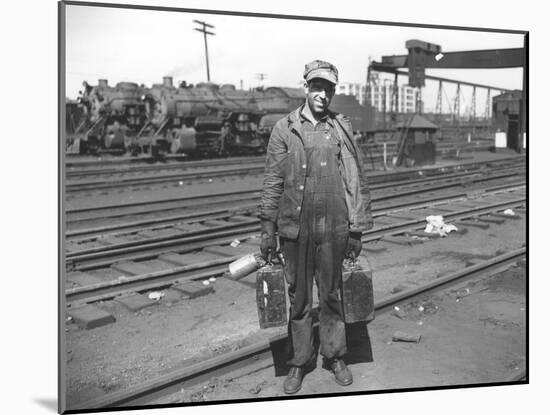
(319, 93)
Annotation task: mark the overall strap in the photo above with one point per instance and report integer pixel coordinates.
(344, 136)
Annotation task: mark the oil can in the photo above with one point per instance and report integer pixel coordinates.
(357, 292)
(245, 265)
(270, 295)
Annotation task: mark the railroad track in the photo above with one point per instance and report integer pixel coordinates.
(133, 236)
(124, 181)
(78, 170)
(76, 163)
(154, 212)
(130, 177)
(260, 355)
(198, 256)
(100, 165)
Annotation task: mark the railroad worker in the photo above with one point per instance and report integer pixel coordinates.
(312, 197)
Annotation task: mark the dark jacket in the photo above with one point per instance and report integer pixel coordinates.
(284, 176)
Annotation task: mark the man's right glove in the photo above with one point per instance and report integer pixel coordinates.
(354, 245)
(269, 241)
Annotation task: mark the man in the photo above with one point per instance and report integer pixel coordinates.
(312, 197)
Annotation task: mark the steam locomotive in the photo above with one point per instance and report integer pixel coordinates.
(202, 120)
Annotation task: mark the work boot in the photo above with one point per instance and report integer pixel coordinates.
(293, 381)
(342, 374)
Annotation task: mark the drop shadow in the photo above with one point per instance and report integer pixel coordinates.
(47, 403)
(358, 343)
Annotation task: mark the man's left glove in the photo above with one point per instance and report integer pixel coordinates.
(268, 246)
(354, 245)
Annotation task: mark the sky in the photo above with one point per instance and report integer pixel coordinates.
(143, 46)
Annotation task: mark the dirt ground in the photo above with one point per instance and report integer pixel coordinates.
(455, 348)
(175, 333)
(476, 339)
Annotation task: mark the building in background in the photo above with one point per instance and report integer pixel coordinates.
(407, 96)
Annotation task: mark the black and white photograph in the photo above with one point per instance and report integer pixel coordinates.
(258, 207)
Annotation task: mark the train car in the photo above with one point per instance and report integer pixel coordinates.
(112, 116)
(202, 120)
(206, 119)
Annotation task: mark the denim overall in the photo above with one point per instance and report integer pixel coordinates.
(318, 251)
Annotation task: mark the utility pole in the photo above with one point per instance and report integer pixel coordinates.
(205, 32)
(261, 77)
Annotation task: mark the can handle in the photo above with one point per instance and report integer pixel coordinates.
(351, 259)
(281, 258)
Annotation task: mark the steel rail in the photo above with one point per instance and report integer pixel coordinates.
(72, 170)
(222, 213)
(259, 355)
(375, 183)
(254, 195)
(75, 186)
(93, 258)
(86, 185)
(110, 289)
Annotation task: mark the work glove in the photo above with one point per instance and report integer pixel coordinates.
(354, 245)
(268, 246)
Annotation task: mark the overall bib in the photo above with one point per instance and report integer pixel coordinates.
(318, 252)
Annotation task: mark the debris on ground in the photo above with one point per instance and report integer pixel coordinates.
(257, 389)
(437, 225)
(397, 312)
(155, 295)
(462, 293)
(401, 336)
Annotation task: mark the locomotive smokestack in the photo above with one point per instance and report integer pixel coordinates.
(102, 82)
(167, 81)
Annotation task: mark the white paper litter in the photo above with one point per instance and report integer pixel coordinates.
(156, 295)
(235, 243)
(437, 225)
(206, 282)
(509, 212)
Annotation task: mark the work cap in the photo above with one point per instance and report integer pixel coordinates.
(321, 69)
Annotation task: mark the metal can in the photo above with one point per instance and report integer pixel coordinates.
(247, 264)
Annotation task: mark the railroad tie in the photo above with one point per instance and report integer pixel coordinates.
(193, 289)
(229, 251)
(135, 301)
(190, 227)
(504, 216)
(214, 223)
(489, 219)
(82, 278)
(422, 234)
(241, 219)
(473, 223)
(90, 316)
(400, 240)
(131, 268)
(409, 216)
(110, 240)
